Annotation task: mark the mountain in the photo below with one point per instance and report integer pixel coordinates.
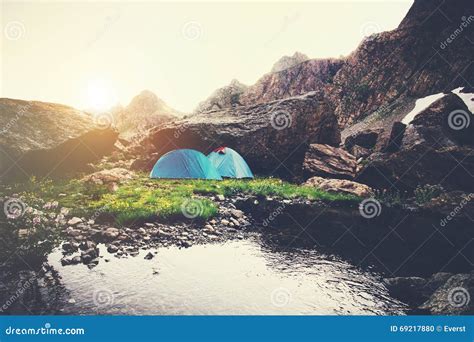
(50, 139)
(289, 61)
(225, 97)
(146, 110)
(429, 52)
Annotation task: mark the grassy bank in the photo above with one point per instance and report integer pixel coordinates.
(144, 198)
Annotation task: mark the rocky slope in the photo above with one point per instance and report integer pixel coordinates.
(146, 110)
(428, 53)
(225, 97)
(436, 147)
(49, 139)
(272, 136)
(287, 62)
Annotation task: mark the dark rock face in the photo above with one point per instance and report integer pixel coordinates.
(392, 141)
(272, 137)
(431, 150)
(411, 60)
(49, 139)
(328, 161)
(366, 139)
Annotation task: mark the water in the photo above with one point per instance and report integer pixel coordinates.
(237, 277)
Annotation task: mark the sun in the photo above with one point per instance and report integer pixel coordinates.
(99, 95)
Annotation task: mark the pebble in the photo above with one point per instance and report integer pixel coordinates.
(225, 222)
(74, 221)
(149, 256)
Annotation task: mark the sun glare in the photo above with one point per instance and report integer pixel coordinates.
(99, 95)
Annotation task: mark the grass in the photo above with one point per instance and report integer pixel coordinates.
(146, 199)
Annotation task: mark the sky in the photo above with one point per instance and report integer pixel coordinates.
(92, 55)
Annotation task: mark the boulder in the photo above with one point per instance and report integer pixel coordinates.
(367, 139)
(454, 297)
(109, 234)
(341, 186)
(392, 141)
(431, 152)
(48, 139)
(328, 161)
(115, 175)
(272, 137)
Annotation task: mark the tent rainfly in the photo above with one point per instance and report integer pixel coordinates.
(184, 163)
(229, 163)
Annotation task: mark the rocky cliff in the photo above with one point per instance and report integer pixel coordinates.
(39, 138)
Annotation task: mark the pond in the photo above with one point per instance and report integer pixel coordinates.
(239, 277)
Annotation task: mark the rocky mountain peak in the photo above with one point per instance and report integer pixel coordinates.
(286, 62)
(146, 110)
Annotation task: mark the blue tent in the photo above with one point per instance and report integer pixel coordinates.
(229, 163)
(184, 164)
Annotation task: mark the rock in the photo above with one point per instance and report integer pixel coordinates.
(360, 152)
(93, 252)
(453, 298)
(266, 134)
(149, 256)
(76, 260)
(69, 247)
(234, 222)
(225, 97)
(431, 152)
(225, 222)
(365, 139)
(86, 258)
(109, 177)
(302, 77)
(391, 142)
(325, 160)
(112, 249)
(87, 245)
(110, 234)
(287, 62)
(74, 221)
(237, 213)
(340, 186)
(58, 136)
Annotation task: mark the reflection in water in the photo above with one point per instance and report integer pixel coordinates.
(238, 277)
